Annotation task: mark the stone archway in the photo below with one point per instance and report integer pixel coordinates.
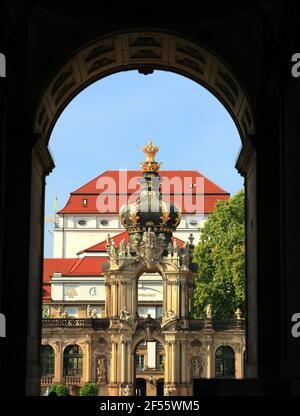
(146, 372)
(146, 51)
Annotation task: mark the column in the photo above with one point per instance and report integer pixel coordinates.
(58, 363)
(209, 360)
(88, 361)
(113, 361)
(167, 360)
(123, 360)
(177, 289)
(107, 299)
(164, 296)
(183, 361)
(134, 293)
(173, 361)
(182, 290)
(129, 364)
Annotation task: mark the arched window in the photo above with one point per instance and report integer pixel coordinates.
(47, 361)
(225, 362)
(73, 361)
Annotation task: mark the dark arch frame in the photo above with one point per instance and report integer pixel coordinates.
(56, 96)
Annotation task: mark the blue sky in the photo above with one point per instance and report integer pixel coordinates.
(105, 126)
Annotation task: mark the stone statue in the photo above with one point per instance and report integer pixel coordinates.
(185, 258)
(124, 315)
(238, 314)
(169, 391)
(161, 245)
(208, 311)
(101, 371)
(94, 313)
(175, 249)
(122, 248)
(111, 247)
(126, 390)
(134, 245)
(148, 248)
(148, 333)
(196, 366)
(113, 250)
(168, 316)
(191, 239)
(170, 249)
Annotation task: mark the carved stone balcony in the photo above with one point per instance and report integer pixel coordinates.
(47, 381)
(72, 380)
(75, 323)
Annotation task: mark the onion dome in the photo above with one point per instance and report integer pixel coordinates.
(149, 211)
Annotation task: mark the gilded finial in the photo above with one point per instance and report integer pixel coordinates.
(150, 151)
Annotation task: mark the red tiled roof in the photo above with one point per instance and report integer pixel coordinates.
(100, 247)
(86, 266)
(115, 187)
(52, 266)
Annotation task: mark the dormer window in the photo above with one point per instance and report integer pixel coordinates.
(194, 223)
(84, 202)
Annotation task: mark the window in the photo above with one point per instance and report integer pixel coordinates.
(194, 223)
(84, 202)
(82, 222)
(104, 222)
(73, 361)
(47, 361)
(159, 345)
(225, 362)
(161, 361)
(140, 360)
(159, 312)
(143, 311)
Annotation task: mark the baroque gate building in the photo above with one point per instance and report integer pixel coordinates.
(105, 345)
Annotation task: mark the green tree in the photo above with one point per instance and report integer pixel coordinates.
(221, 263)
(89, 389)
(60, 389)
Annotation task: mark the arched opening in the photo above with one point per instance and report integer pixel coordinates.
(72, 364)
(149, 368)
(140, 387)
(47, 361)
(224, 362)
(160, 387)
(150, 295)
(244, 123)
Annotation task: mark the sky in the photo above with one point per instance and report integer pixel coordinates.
(105, 126)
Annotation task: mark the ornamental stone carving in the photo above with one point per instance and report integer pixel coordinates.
(151, 247)
(101, 371)
(168, 316)
(127, 390)
(196, 366)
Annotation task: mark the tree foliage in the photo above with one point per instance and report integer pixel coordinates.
(220, 258)
(89, 389)
(60, 389)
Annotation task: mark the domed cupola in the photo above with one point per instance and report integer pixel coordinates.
(149, 211)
